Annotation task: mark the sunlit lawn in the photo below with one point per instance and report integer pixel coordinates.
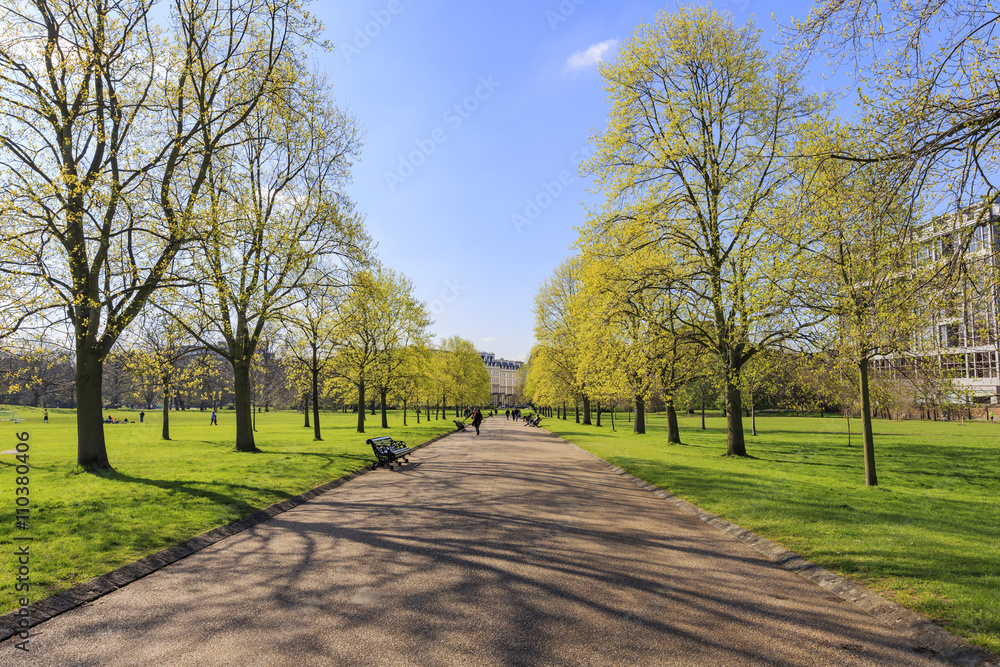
(928, 536)
(162, 493)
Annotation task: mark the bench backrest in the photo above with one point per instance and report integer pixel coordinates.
(384, 441)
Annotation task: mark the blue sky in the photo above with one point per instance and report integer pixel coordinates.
(477, 116)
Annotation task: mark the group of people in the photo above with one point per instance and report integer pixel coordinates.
(112, 420)
(515, 413)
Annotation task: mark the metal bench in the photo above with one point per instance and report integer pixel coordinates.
(388, 451)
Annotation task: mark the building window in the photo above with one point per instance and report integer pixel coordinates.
(949, 335)
(984, 365)
(953, 365)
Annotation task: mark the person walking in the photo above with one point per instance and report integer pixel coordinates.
(507, 414)
(215, 421)
(45, 416)
(142, 416)
(477, 419)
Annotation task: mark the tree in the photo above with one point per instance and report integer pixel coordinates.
(930, 67)
(553, 372)
(277, 220)
(636, 307)
(414, 378)
(694, 155)
(401, 332)
(855, 224)
(160, 348)
(465, 372)
(313, 337)
(704, 389)
(107, 137)
(358, 331)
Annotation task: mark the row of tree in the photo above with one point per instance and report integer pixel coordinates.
(741, 218)
(318, 367)
(172, 179)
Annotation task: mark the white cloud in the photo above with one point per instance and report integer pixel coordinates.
(591, 56)
(488, 340)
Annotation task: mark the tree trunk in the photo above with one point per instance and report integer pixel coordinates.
(613, 418)
(91, 452)
(241, 400)
(576, 410)
(165, 432)
(735, 443)
(317, 435)
(305, 409)
(586, 411)
(639, 426)
(702, 413)
(361, 406)
(673, 430)
(382, 396)
(598, 414)
(866, 425)
(404, 413)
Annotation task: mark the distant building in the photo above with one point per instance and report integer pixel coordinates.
(505, 376)
(964, 338)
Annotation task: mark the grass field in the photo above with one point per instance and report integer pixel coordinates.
(927, 537)
(162, 493)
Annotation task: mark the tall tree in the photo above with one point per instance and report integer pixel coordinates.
(277, 219)
(313, 336)
(402, 330)
(467, 375)
(107, 137)
(692, 159)
(358, 332)
(635, 307)
(555, 362)
(856, 226)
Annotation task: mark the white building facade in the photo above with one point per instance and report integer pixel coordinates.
(505, 378)
(964, 339)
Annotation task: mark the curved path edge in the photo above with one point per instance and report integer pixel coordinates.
(86, 592)
(929, 634)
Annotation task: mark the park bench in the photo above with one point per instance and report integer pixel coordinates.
(388, 451)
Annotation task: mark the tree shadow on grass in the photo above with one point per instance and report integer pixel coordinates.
(191, 487)
(330, 459)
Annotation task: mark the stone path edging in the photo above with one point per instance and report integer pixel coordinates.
(88, 591)
(905, 621)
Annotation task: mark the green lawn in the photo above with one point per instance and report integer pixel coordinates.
(162, 493)
(927, 537)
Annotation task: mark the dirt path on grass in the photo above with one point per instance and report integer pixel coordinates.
(511, 548)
